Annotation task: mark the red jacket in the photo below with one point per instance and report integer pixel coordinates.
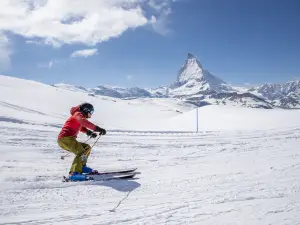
(77, 122)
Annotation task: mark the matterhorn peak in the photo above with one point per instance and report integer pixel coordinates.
(192, 69)
(190, 56)
(192, 60)
(194, 79)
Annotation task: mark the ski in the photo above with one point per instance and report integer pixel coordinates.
(99, 177)
(104, 177)
(114, 171)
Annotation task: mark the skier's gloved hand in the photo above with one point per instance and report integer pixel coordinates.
(91, 134)
(100, 130)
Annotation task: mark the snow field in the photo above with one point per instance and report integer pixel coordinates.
(242, 167)
(223, 177)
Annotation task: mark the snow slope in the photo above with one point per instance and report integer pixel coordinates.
(241, 168)
(36, 103)
(222, 118)
(30, 102)
(206, 178)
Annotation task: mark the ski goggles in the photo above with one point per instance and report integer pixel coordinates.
(91, 112)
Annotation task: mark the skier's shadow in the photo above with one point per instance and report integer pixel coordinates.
(119, 185)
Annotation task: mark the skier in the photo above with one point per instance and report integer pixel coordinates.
(67, 139)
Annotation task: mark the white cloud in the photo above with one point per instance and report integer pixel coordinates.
(71, 21)
(161, 23)
(158, 5)
(89, 22)
(5, 52)
(84, 53)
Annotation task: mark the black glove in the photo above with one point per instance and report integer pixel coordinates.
(100, 130)
(91, 134)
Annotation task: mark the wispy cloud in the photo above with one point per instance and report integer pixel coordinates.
(161, 23)
(160, 20)
(47, 65)
(5, 52)
(34, 42)
(158, 5)
(84, 53)
(52, 63)
(80, 53)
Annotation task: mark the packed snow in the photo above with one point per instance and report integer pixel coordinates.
(242, 167)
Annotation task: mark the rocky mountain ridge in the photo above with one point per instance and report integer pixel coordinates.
(198, 86)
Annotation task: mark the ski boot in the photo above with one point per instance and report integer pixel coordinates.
(88, 170)
(75, 176)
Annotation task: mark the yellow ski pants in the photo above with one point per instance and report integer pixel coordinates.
(81, 151)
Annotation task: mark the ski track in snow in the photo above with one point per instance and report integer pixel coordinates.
(226, 177)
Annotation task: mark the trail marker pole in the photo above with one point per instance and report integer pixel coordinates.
(197, 103)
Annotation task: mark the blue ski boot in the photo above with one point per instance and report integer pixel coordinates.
(88, 170)
(75, 176)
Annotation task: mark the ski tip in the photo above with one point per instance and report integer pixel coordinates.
(125, 176)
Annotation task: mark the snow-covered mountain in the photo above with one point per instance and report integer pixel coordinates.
(194, 80)
(160, 92)
(197, 85)
(233, 99)
(120, 92)
(285, 95)
(70, 87)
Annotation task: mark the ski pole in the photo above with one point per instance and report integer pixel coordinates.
(63, 156)
(93, 145)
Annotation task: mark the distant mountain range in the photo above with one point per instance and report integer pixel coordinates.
(285, 95)
(196, 85)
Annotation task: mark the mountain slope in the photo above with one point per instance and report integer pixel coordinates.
(194, 84)
(241, 168)
(193, 79)
(234, 99)
(70, 87)
(30, 102)
(119, 92)
(285, 95)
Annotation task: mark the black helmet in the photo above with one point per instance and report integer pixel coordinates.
(86, 108)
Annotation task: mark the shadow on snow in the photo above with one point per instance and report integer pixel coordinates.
(119, 185)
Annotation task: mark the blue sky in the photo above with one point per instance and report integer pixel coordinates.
(241, 42)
